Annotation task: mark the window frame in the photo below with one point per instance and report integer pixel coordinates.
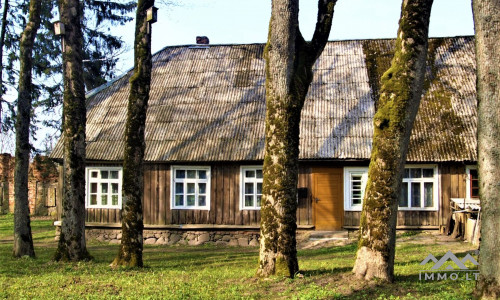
(348, 172)
(242, 187)
(89, 180)
(435, 189)
(174, 180)
(468, 181)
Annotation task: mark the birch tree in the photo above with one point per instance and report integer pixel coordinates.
(487, 27)
(72, 244)
(130, 252)
(400, 94)
(23, 241)
(289, 60)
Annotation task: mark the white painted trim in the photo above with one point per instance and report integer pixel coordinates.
(242, 186)
(467, 180)
(348, 171)
(88, 180)
(186, 180)
(435, 181)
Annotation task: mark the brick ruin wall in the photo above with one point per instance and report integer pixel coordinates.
(42, 185)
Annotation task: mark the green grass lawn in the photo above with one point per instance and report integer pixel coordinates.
(215, 272)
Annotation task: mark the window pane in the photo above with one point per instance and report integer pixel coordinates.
(104, 200)
(406, 173)
(179, 200)
(190, 188)
(356, 185)
(403, 198)
(259, 199)
(202, 174)
(248, 201)
(179, 188)
(474, 184)
(94, 174)
(248, 188)
(104, 188)
(202, 201)
(428, 173)
(250, 174)
(180, 174)
(259, 188)
(114, 174)
(428, 200)
(259, 173)
(114, 199)
(104, 174)
(93, 199)
(356, 201)
(202, 188)
(415, 173)
(114, 188)
(415, 194)
(190, 200)
(191, 173)
(93, 187)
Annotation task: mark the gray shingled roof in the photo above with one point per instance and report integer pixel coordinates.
(208, 104)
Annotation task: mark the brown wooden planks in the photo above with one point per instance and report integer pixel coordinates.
(146, 199)
(162, 196)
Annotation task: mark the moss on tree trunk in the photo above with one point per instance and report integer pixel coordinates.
(23, 241)
(289, 61)
(72, 244)
(400, 94)
(487, 27)
(130, 252)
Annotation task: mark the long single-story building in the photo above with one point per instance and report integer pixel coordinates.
(205, 138)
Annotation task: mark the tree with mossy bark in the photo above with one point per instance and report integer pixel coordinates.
(130, 252)
(289, 60)
(23, 241)
(487, 28)
(72, 244)
(400, 95)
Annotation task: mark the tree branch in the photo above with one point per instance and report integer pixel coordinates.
(323, 26)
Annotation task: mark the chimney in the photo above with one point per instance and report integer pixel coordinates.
(202, 40)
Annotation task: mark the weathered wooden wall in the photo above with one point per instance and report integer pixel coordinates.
(224, 200)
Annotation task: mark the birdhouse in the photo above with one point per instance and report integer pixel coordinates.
(152, 14)
(58, 28)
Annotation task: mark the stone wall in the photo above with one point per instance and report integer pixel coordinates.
(182, 237)
(42, 185)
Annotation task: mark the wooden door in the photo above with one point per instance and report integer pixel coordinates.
(328, 204)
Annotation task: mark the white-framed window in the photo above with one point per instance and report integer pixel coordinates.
(471, 182)
(250, 187)
(190, 187)
(103, 187)
(419, 190)
(354, 187)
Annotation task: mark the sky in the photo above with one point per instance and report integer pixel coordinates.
(246, 21)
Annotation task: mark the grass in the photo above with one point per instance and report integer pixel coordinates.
(214, 272)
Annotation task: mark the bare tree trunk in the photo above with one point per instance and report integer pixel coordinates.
(487, 27)
(130, 253)
(72, 244)
(2, 43)
(23, 241)
(400, 94)
(289, 61)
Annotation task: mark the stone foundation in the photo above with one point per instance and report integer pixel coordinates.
(241, 238)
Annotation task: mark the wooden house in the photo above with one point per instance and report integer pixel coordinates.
(205, 138)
